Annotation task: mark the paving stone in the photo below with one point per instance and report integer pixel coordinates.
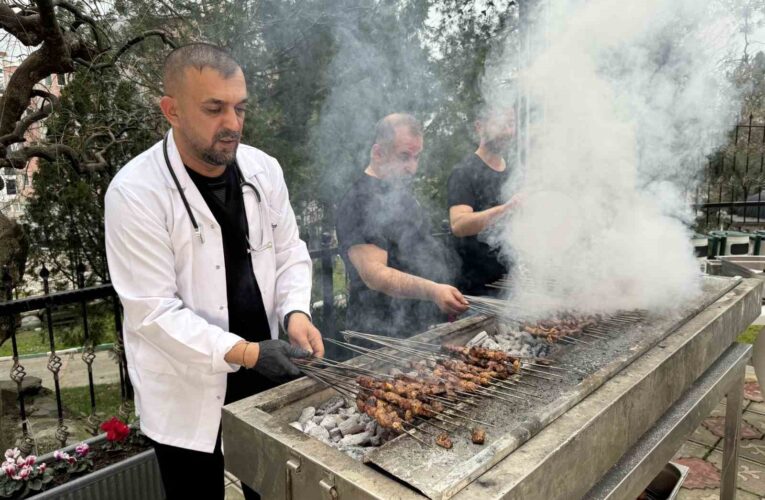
(703, 437)
(756, 407)
(702, 474)
(692, 450)
(752, 450)
(751, 475)
(685, 494)
(752, 392)
(755, 419)
(716, 425)
(234, 492)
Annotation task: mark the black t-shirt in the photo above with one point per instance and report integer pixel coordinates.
(475, 184)
(246, 313)
(377, 212)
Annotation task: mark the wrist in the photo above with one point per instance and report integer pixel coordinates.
(290, 314)
(251, 354)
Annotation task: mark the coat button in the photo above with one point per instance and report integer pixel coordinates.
(212, 226)
(221, 308)
(217, 267)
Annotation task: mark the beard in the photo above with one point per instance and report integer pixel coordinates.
(498, 145)
(209, 154)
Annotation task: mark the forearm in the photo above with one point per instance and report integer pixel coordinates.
(472, 223)
(398, 284)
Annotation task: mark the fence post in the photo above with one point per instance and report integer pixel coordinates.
(54, 361)
(26, 444)
(88, 352)
(328, 295)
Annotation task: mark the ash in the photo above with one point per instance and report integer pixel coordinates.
(338, 423)
(510, 339)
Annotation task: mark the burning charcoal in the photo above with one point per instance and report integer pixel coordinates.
(379, 432)
(371, 427)
(355, 439)
(478, 339)
(308, 414)
(329, 422)
(332, 405)
(351, 426)
(297, 426)
(355, 452)
(395, 372)
(335, 435)
(319, 433)
(317, 419)
(375, 441)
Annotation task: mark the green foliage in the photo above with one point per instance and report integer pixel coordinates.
(320, 74)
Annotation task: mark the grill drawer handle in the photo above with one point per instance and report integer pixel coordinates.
(328, 489)
(293, 465)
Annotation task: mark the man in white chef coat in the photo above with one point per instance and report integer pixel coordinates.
(204, 253)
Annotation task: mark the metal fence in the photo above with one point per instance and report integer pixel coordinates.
(49, 303)
(731, 192)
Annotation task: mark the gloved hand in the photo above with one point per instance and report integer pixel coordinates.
(274, 360)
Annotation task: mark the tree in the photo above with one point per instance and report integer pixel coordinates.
(62, 36)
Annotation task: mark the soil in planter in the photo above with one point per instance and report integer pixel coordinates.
(101, 458)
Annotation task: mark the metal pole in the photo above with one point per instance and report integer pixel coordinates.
(328, 295)
(733, 411)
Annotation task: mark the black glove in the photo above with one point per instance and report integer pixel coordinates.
(274, 360)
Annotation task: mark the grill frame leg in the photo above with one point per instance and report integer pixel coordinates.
(733, 419)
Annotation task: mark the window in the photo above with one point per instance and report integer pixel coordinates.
(10, 186)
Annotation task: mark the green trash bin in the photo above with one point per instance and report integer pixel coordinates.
(732, 242)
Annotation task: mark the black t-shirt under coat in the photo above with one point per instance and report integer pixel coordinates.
(246, 313)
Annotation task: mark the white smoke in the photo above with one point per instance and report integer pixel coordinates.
(626, 97)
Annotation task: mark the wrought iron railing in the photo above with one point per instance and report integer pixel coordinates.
(49, 302)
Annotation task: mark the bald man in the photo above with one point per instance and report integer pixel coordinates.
(204, 253)
(399, 274)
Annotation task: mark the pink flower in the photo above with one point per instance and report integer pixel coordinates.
(82, 449)
(60, 455)
(9, 469)
(30, 460)
(24, 473)
(12, 453)
(21, 461)
(41, 468)
(71, 460)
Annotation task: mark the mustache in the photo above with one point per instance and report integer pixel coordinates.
(227, 135)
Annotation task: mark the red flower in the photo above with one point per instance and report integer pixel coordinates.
(116, 429)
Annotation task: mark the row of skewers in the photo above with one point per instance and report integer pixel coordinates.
(437, 390)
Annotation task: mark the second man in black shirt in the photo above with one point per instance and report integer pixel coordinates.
(398, 271)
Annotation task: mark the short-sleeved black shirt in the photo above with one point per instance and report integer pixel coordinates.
(475, 184)
(377, 212)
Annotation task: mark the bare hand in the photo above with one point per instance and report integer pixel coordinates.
(301, 332)
(448, 299)
(515, 202)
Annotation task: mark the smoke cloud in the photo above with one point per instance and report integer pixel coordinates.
(625, 99)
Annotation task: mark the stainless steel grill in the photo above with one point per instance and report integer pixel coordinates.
(558, 444)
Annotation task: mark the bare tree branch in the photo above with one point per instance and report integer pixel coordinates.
(26, 28)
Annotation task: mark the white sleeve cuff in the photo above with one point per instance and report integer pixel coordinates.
(223, 344)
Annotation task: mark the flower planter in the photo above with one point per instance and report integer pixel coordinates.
(135, 478)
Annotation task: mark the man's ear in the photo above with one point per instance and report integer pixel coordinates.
(169, 107)
(376, 152)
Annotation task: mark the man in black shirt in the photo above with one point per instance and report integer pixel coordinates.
(398, 271)
(475, 201)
